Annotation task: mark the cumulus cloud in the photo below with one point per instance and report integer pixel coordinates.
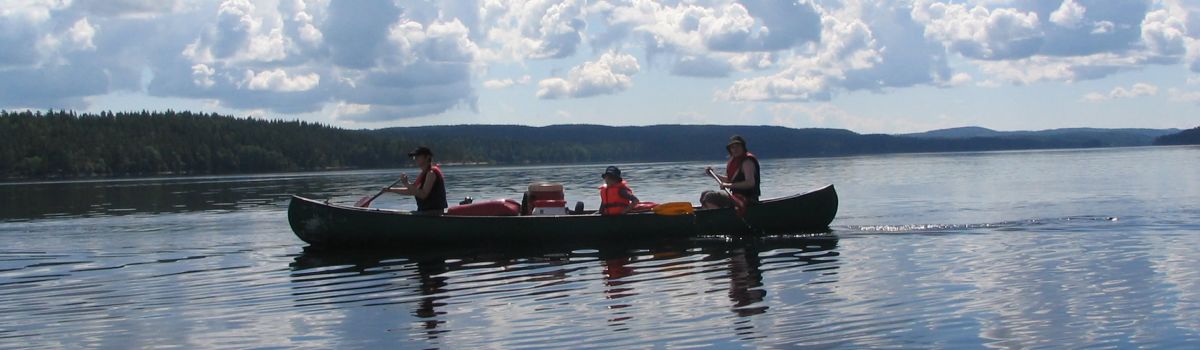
(1053, 68)
(959, 79)
(609, 74)
(202, 75)
(382, 60)
(1137, 90)
(1165, 34)
(505, 83)
(979, 32)
(279, 80)
(846, 45)
(81, 34)
(1069, 14)
(534, 29)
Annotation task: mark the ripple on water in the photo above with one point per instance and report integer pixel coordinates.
(963, 285)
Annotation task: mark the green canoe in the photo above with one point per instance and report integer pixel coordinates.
(324, 224)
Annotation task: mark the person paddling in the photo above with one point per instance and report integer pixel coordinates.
(742, 176)
(430, 187)
(615, 196)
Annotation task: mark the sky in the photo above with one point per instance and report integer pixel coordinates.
(867, 66)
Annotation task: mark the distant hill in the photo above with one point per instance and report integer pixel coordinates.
(1186, 137)
(1091, 136)
(961, 132)
(594, 143)
(61, 144)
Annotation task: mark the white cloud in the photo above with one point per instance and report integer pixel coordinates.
(1069, 14)
(609, 74)
(32, 11)
(1053, 68)
(538, 29)
(959, 79)
(979, 32)
(241, 32)
(1137, 90)
(750, 61)
(280, 80)
(691, 28)
(81, 34)
(402, 59)
(1178, 95)
(1103, 27)
(731, 31)
(845, 46)
(438, 42)
(344, 109)
(202, 75)
(297, 15)
(1164, 33)
(1095, 97)
(505, 83)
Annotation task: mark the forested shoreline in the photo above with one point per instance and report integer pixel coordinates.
(66, 144)
(1186, 137)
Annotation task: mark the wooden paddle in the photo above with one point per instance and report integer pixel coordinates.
(738, 204)
(365, 201)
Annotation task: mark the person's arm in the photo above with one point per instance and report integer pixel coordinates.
(633, 200)
(404, 188)
(426, 187)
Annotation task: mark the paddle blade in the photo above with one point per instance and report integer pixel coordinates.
(364, 201)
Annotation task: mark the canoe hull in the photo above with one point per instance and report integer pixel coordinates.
(325, 225)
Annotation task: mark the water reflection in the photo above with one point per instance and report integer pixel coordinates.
(617, 282)
(1017, 250)
(117, 197)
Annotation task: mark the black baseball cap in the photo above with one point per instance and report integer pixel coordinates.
(611, 171)
(420, 151)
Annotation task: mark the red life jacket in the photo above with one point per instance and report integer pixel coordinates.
(611, 202)
(733, 173)
(437, 197)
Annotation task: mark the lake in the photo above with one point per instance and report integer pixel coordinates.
(1024, 249)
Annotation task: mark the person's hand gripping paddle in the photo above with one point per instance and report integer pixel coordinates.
(738, 203)
(365, 201)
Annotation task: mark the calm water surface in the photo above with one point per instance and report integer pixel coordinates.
(1037, 249)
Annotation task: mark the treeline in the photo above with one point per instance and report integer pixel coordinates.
(66, 144)
(1186, 137)
(594, 143)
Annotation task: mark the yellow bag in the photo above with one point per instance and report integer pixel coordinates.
(674, 208)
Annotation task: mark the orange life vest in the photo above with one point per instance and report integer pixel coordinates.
(611, 202)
